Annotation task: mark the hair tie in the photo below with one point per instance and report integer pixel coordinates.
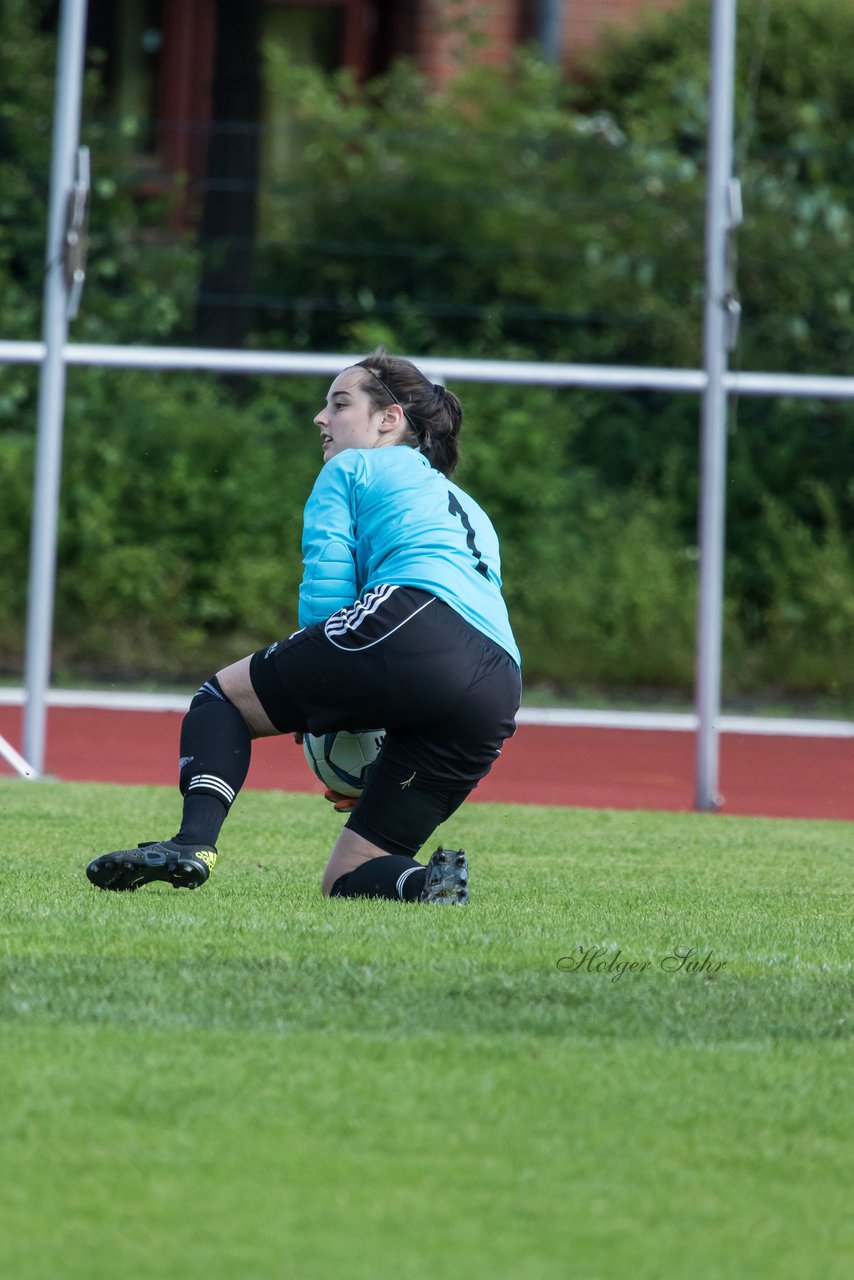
(439, 389)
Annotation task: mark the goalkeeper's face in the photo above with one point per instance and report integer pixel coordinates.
(349, 420)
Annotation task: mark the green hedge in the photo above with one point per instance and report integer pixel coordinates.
(179, 542)
(180, 521)
(179, 547)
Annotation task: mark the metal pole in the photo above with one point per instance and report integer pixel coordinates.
(719, 188)
(548, 29)
(66, 133)
(520, 373)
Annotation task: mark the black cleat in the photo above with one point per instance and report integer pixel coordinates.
(184, 866)
(447, 877)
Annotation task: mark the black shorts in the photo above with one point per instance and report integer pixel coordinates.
(401, 660)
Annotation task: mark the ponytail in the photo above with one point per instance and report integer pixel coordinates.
(434, 414)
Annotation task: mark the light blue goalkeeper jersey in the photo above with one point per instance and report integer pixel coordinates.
(386, 516)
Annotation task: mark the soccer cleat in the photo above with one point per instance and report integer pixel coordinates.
(447, 877)
(184, 866)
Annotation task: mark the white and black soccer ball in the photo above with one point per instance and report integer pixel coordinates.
(342, 760)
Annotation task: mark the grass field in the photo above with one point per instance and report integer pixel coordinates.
(253, 1083)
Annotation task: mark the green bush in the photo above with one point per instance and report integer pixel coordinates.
(179, 549)
(811, 577)
(600, 585)
(488, 216)
(180, 522)
(179, 546)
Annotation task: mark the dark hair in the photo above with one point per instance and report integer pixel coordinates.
(434, 415)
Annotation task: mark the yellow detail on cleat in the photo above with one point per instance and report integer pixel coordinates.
(207, 856)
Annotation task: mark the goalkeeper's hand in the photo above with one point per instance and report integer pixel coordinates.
(341, 804)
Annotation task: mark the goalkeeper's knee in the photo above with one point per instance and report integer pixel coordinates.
(210, 691)
(215, 745)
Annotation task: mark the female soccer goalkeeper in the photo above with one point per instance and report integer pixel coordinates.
(403, 626)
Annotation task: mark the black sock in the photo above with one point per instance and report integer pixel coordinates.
(391, 876)
(216, 747)
(201, 820)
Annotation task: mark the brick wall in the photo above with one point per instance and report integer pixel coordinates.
(440, 46)
(502, 23)
(586, 20)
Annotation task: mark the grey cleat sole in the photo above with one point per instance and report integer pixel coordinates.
(447, 878)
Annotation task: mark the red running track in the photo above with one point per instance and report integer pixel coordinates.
(766, 775)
